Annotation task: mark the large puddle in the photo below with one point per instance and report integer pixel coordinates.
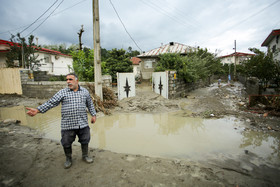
(162, 135)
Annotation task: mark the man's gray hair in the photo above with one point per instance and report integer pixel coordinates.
(74, 74)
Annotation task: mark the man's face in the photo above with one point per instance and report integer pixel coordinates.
(72, 82)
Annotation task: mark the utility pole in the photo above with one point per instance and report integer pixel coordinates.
(22, 55)
(97, 50)
(80, 37)
(234, 73)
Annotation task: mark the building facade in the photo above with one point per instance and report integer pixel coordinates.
(150, 58)
(237, 58)
(272, 42)
(54, 62)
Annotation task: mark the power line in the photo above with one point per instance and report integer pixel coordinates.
(46, 18)
(277, 1)
(39, 17)
(124, 26)
(51, 15)
(247, 18)
(69, 7)
(166, 13)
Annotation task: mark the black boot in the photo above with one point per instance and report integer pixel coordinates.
(68, 154)
(85, 156)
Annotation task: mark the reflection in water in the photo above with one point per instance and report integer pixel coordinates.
(267, 143)
(165, 135)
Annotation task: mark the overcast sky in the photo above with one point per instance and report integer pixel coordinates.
(211, 24)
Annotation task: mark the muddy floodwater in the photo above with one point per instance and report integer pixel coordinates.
(167, 135)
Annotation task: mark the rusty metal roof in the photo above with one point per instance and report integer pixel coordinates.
(171, 47)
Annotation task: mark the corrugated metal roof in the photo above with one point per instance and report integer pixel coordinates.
(171, 47)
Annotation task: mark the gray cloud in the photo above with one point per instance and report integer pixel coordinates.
(209, 24)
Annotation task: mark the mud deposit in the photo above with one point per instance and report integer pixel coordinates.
(28, 159)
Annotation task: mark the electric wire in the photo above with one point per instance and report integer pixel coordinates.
(39, 17)
(45, 18)
(165, 12)
(124, 26)
(244, 20)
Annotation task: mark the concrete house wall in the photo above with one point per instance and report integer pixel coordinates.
(272, 42)
(55, 64)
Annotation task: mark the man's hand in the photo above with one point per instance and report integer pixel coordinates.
(93, 119)
(32, 111)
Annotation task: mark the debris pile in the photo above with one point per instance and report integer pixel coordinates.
(110, 100)
(267, 104)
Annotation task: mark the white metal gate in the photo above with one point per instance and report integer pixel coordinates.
(126, 85)
(160, 83)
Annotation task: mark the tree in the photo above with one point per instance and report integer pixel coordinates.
(132, 53)
(197, 64)
(83, 64)
(118, 61)
(62, 48)
(22, 52)
(263, 67)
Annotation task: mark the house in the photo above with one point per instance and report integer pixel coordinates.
(149, 59)
(272, 42)
(240, 57)
(54, 62)
(136, 66)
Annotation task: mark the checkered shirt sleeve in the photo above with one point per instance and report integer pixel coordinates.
(74, 107)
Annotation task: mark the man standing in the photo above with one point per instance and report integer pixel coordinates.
(74, 120)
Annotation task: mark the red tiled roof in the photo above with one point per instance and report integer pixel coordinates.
(135, 60)
(8, 43)
(237, 54)
(270, 37)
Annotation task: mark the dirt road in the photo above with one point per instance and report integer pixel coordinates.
(27, 159)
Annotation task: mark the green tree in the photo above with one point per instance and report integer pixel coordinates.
(197, 64)
(21, 50)
(132, 53)
(118, 61)
(262, 66)
(62, 48)
(83, 64)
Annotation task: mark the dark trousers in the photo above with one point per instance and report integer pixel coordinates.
(69, 136)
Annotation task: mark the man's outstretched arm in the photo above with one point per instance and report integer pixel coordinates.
(32, 111)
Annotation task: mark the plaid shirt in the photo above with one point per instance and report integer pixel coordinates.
(73, 107)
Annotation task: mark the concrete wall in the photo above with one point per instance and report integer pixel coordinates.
(147, 66)
(253, 88)
(179, 88)
(55, 64)
(46, 89)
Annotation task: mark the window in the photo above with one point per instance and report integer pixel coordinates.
(148, 64)
(47, 58)
(274, 49)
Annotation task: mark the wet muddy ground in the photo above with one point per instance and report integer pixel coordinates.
(27, 159)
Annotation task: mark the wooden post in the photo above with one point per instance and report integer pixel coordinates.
(97, 50)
